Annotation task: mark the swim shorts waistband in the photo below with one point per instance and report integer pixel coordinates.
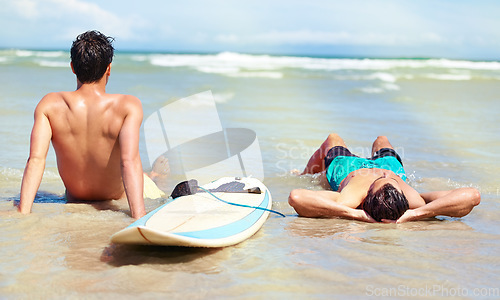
(340, 162)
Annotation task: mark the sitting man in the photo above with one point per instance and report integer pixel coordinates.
(95, 135)
(373, 189)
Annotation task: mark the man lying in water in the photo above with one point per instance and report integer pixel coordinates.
(373, 189)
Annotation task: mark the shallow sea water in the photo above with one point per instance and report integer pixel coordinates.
(440, 115)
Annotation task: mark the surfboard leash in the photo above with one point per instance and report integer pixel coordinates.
(241, 205)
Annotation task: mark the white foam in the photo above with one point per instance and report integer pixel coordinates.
(24, 53)
(464, 64)
(228, 62)
(225, 63)
(372, 90)
(384, 87)
(247, 62)
(391, 87)
(10, 174)
(456, 77)
(53, 64)
(218, 69)
(27, 53)
(384, 77)
(272, 75)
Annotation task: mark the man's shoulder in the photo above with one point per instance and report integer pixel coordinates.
(127, 104)
(50, 100)
(53, 96)
(124, 99)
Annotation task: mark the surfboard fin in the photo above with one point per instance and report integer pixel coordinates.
(254, 190)
(185, 188)
(191, 187)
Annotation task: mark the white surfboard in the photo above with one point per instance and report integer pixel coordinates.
(202, 220)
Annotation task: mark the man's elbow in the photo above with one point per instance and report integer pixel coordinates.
(474, 196)
(36, 160)
(295, 199)
(129, 162)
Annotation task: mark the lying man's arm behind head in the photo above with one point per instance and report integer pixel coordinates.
(453, 203)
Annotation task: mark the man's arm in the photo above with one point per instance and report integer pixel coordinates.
(41, 135)
(453, 203)
(317, 204)
(131, 166)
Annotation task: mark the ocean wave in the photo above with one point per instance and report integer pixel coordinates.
(234, 64)
(272, 75)
(388, 64)
(267, 62)
(221, 60)
(10, 174)
(380, 89)
(218, 69)
(53, 59)
(372, 90)
(463, 64)
(271, 62)
(377, 76)
(53, 64)
(456, 77)
(391, 87)
(383, 76)
(13, 174)
(29, 53)
(226, 63)
(232, 71)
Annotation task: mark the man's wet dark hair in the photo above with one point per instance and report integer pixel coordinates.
(91, 53)
(386, 203)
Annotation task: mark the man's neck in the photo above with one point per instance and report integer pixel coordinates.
(98, 87)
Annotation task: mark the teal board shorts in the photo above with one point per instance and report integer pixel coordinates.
(339, 162)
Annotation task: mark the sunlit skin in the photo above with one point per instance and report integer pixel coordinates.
(383, 180)
(353, 190)
(95, 136)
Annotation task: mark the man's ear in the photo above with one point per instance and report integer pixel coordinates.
(72, 69)
(108, 70)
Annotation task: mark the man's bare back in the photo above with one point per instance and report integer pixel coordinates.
(85, 129)
(95, 135)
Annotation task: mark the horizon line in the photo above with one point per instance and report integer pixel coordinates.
(274, 54)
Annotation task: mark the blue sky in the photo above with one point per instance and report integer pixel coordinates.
(377, 28)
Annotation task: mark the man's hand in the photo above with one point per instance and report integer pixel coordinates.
(408, 216)
(361, 215)
(455, 203)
